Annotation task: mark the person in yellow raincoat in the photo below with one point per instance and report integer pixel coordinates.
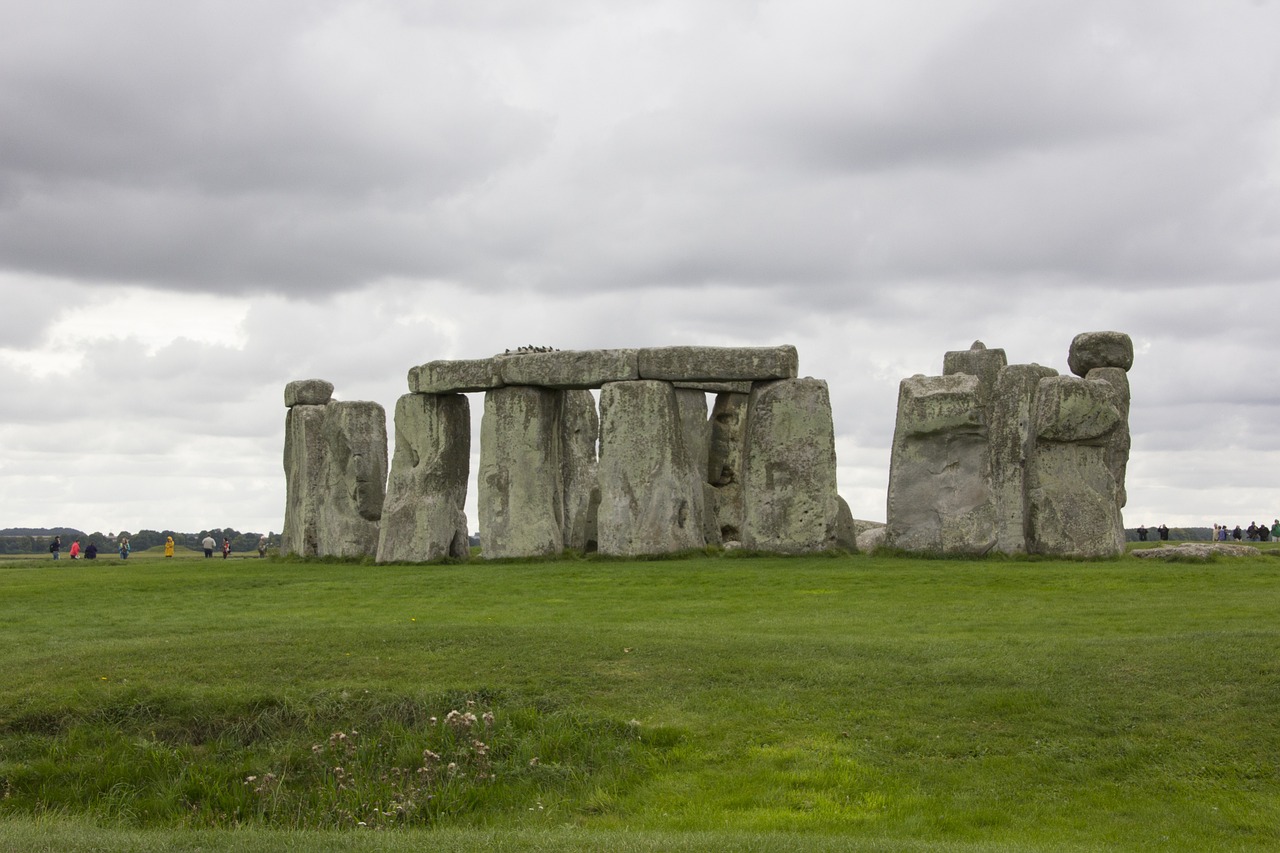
(168, 546)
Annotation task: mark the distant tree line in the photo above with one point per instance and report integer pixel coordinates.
(27, 540)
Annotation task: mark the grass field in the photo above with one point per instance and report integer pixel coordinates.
(798, 704)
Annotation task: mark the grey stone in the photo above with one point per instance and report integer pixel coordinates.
(718, 364)
(568, 369)
(871, 540)
(1073, 497)
(335, 461)
(650, 501)
(940, 497)
(846, 528)
(724, 461)
(1100, 349)
(743, 387)
(1120, 440)
(424, 516)
(1011, 433)
(520, 490)
(789, 471)
(455, 377)
(579, 435)
(308, 392)
(1196, 551)
(978, 361)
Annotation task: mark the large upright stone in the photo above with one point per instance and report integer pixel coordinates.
(789, 471)
(1100, 349)
(356, 444)
(305, 461)
(424, 516)
(978, 361)
(650, 500)
(1012, 436)
(940, 468)
(1073, 496)
(335, 462)
(692, 404)
(718, 364)
(724, 462)
(579, 437)
(1120, 441)
(520, 489)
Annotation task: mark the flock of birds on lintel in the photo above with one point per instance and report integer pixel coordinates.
(530, 348)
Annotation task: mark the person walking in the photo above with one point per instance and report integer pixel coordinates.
(1275, 530)
(55, 547)
(75, 550)
(208, 545)
(262, 547)
(226, 547)
(1164, 532)
(125, 548)
(168, 546)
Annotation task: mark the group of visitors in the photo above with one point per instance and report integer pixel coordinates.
(89, 552)
(1255, 533)
(1162, 531)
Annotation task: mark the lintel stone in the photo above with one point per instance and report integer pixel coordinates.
(719, 364)
(308, 392)
(455, 377)
(567, 370)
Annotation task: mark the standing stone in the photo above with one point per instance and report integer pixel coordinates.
(1012, 436)
(1119, 443)
(648, 500)
(424, 516)
(978, 361)
(305, 477)
(692, 404)
(579, 435)
(724, 462)
(520, 491)
(356, 444)
(789, 471)
(1073, 496)
(940, 468)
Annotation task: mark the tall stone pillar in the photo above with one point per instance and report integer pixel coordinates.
(521, 500)
(650, 499)
(725, 460)
(424, 516)
(305, 476)
(789, 470)
(1012, 436)
(579, 436)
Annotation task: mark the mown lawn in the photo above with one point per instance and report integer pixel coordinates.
(708, 703)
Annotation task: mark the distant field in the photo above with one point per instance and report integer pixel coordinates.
(708, 703)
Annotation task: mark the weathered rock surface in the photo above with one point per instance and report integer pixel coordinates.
(568, 369)
(335, 461)
(1100, 349)
(1011, 432)
(650, 500)
(978, 361)
(871, 540)
(1120, 440)
(424, 516)
(940, 483)
(846, 527)
(719, 364)
(308, 392)
(579, 435)
(455, 377)
(743, 387)
(724, 461)
(789, 470)
(519, 483)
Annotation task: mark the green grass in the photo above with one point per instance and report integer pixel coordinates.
(750, 703)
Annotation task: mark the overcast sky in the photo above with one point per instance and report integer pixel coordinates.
(201, 201)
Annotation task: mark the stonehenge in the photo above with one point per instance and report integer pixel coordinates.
(1013, 458)
(989, 456)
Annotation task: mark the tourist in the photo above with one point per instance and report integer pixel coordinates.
(208, 544)
(1275, 530)
(226, 547)
(55, 546)
(1263, 533)
(168, 546)
(262, 547)
(91, 551)
(1164, 532)
(125, 548)
(1252, 532)
(1142, 533)
(1237, 533)
(75, 550)
(1222, 532)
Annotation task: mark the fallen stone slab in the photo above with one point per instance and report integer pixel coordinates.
(719, 364)
(568, 369)
(455, 377)
(1197, 551)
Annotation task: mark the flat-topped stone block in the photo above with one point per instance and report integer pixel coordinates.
(719, 364)
(455, 377)
(742, 387)
(568, 370)
(308, 392)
